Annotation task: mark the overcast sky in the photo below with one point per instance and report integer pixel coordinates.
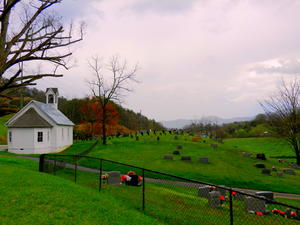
(196, 57)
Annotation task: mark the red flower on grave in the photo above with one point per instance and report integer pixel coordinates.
(293, 214)
(259, 213)
(276, 211)
(212, 187)
(282, 213)
(222, 198)
(233, 193)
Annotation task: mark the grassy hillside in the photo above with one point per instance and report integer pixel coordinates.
(228, 166)
(3, 130)
(29, 197)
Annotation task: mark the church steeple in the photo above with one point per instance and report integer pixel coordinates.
(52, 97)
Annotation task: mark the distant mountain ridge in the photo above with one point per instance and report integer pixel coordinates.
(180, 123)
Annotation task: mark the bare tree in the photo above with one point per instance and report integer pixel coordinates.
(283, 113)
(29, 32)
(112, 89)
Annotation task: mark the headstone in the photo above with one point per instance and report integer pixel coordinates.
(261, 156)
(176, 152)
(168, 157)
(260, 165)
(204, 141)
(289, 171)
(266, 171)
(294, 166)
(279, 174)
(157, 138)
(179, 147)
(186, 158)
(204, 160)
(255, 205)
(203, 192)
(246, 154)
(214, 199)
(267, 194)
(220, 141)
(137, 138)
(214, 145)
(114, 178)
(274, 168)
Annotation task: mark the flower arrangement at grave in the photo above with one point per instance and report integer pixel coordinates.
(197, 138)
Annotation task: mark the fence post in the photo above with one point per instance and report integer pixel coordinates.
(100, 175)
(41, 163)
(143, 174)
(75, 171)
(230, 206)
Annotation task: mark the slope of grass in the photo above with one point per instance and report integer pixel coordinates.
(29, 197)
(3, 129)
(227, 167)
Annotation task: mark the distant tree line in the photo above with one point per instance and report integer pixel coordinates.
(258, 127)
(73, 109)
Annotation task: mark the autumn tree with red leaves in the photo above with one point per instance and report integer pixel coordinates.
(109, 84)
(92, 113)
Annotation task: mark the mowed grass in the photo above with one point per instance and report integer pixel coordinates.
(30, 197)
(227, 165)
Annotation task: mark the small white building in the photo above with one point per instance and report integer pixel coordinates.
(40, 128)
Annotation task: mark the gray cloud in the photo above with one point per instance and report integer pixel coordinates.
(287, 66)
(163, 6)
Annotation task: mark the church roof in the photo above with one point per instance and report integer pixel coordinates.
(57, 116)
(30, 119)
(32, 116)
(55, 90)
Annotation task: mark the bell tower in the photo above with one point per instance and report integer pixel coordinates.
(52, 97)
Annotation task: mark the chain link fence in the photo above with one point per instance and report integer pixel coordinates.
(172, 199)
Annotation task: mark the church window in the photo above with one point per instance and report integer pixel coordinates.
(50, 99)
(10, 136)
(40, 136)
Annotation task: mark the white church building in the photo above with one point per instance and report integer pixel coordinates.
(40, 128)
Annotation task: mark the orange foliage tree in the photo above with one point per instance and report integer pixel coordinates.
(92, 114)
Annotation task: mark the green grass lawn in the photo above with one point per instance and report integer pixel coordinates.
(29, 197)
(227, 167)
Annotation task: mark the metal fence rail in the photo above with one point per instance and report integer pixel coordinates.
(169, 198)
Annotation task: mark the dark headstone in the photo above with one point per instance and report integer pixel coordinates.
(266, 171)
(289, 171)
(157, 138)
(204, 160)
(176, 152)
(204, 141)
(204, 191)
(261, 156)
(259, 165)
(168, 157)
(186, 158)
(137, 138)
(179, 147)
(255, 205)
(214, 145)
